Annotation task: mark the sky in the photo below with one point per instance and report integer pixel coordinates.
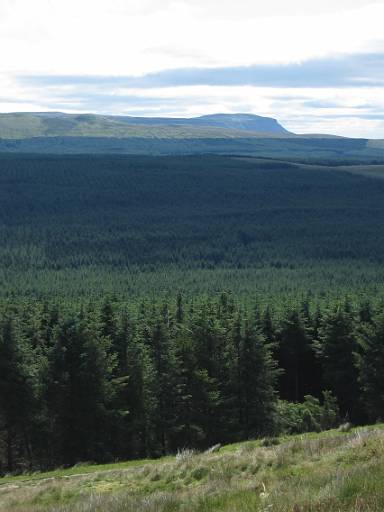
(315, 65)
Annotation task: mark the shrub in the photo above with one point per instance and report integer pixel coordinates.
(269, 441)
(309, 416)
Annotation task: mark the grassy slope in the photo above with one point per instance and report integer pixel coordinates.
(89, 133)
(332, 471)
(20, 126)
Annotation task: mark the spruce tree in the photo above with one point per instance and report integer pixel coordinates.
(16, 393)
(370, 363)
(258, 373)
(164, 368)
(297, 358)
(195, 398)
(80, 390)
(337, 348)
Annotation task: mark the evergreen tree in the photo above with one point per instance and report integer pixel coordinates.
(370, 363)
(179, 309)
(120, 342)
(267, 326)
(16, 395)
(258, 375)
(91, 382)
(296, 357)
(235, 402)
(129, 392)
(194, 400)
(337, 348)
(210, 346)
(80, 390)
(365, 312)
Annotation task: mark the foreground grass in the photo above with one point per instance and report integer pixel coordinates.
(332, 471)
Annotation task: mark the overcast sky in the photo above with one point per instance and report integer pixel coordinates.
(316, 65)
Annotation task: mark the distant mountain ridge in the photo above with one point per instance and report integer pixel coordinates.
(245, 122)
(22, 125)
(220, 134)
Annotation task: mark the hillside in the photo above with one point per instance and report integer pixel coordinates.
(222, 134)
(245, 122)
(56, 124)
(328, 472)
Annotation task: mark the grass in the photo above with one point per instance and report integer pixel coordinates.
(25, 125)
(333, 471)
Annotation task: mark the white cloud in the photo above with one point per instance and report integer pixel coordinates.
(353, 112)
(116, 37)
(134, 37)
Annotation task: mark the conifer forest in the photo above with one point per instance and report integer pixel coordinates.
(149, 304)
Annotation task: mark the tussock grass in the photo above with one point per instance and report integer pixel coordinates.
(334, 471)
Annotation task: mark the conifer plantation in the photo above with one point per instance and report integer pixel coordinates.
(191, 256)
(154, 304)
(102, 383)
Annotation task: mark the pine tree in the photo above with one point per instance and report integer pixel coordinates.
(179, 315)
(16, 393)
(267, 326)
(128, 403)
(120, 342)
(296, 356)
(194, 399)
(258, 373)
(365, 312)
(80, 390)
(164, 370)
(370, 363)
(135, 402)
(235, 403)
(210, 341)
(337, 348)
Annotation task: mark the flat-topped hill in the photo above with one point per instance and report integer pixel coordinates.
(56, 124)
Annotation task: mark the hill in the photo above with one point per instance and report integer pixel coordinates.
(328, 472)
(57, 124)
(245, 122)
(222, 134)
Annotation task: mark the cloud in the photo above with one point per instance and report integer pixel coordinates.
(344, 111)
(138, 37)
(321, 95)
(359, 70)
(192, 57)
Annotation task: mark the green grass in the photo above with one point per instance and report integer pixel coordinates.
(79, 469)
(89, 133)
(333, 471)
(25, 125)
